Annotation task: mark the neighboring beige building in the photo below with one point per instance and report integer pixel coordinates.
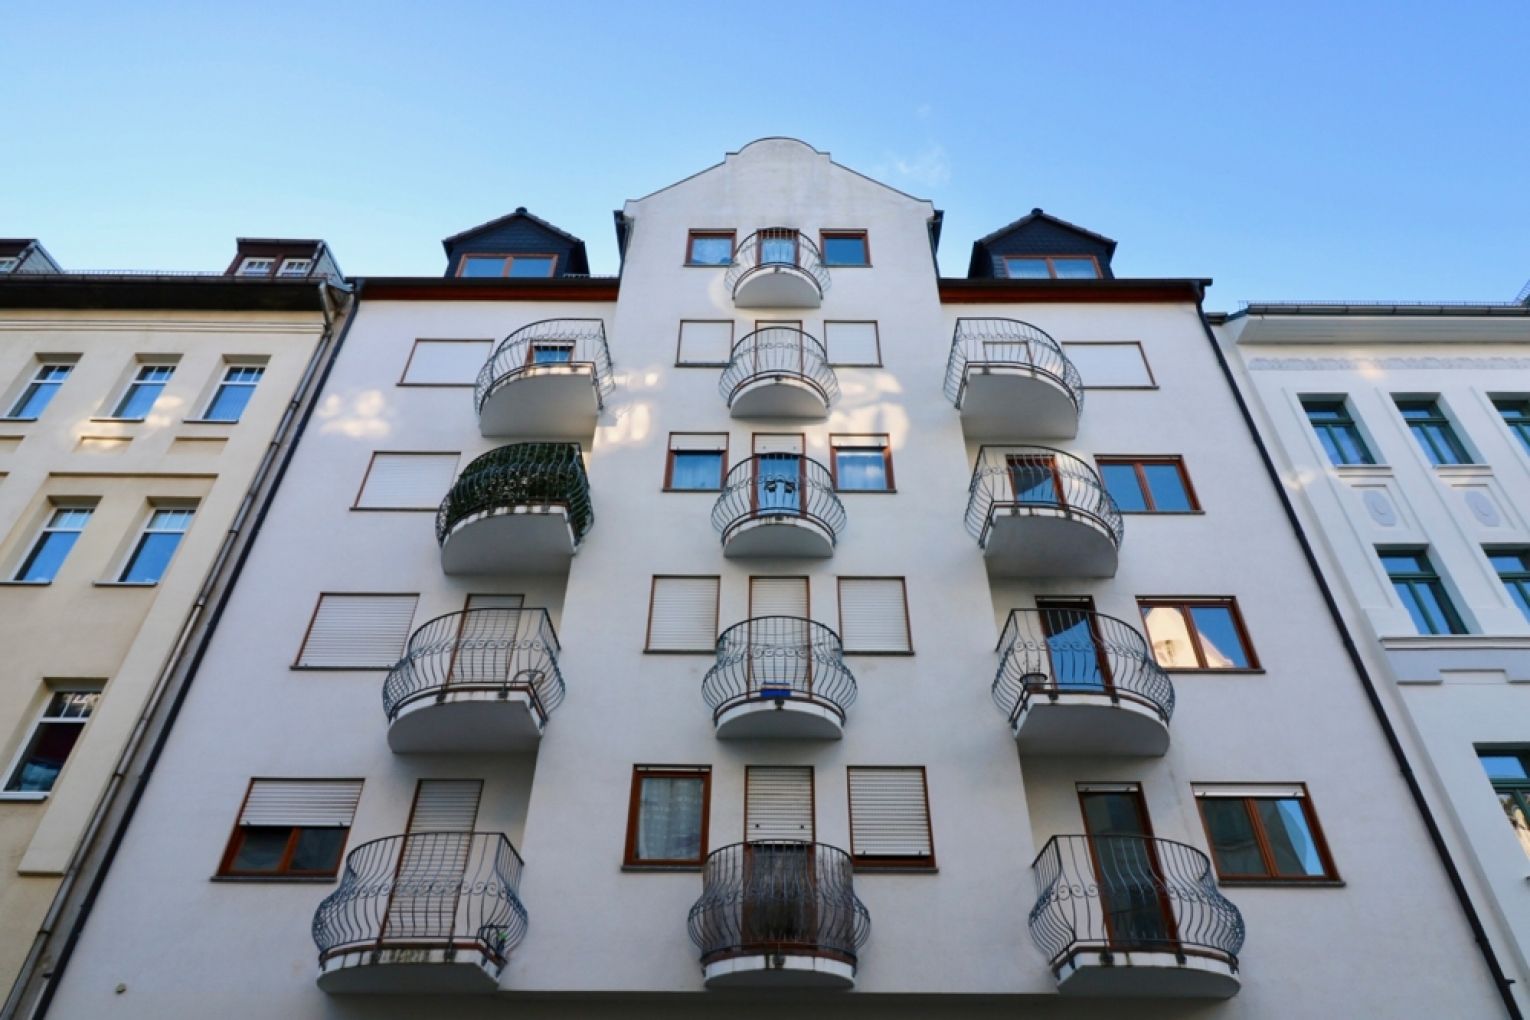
(138, 411)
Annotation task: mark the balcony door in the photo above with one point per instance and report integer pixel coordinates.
(486, 636)
(780, 350)
(778, 246)
(1034, 480)
(780, 902)
(1133, 901)
(780, 658)
(433, 862)
(780, 481)
(1074, 651)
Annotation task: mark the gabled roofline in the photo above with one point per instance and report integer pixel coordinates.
(519, 213)
(1040, 214)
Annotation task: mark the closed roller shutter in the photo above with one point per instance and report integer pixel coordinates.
(778, 802)
(304, 803)
(683, 615)
(778, 443)
(706, 343)
(407, 481)
(778, 596)
(889, 816)
(358, 631)
(447, 362)
(851, 343)
(445, 805)
(873, 616)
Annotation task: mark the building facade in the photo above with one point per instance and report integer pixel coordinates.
(778, 617)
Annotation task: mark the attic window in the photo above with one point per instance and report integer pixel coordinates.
(7, 264)
(507, 265)
(256, 267)
(1051, 267)
(295, 267)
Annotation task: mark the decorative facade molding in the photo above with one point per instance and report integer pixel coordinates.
(1353, 364)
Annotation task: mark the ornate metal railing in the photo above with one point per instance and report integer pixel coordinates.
(1118, 893)
(543, 344)
(1047, 652)
(428, 890)
(1008, 344)
(1041, 479)
(770, 658)
(499, 650)
(779, 352)
(778, 896)
(778, 485)
(521, 474)
(774, 247)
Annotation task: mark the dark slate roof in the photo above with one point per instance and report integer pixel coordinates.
(510, 233)
(520, 213)
(1039, 233)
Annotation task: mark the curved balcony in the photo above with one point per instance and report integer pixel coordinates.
(777, 268)
(1039, 512)
(479, 680)
(1134, 916)
(779, 504)
(1073, 681)
(547, 379)
(426, 913)
(1010, 380)
(523, 508)
(779, 372)
(781, 677)
(778, 914)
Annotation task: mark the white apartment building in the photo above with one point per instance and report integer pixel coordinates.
(1402, 433)
(777, 626)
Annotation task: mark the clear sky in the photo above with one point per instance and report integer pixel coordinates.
(1289, 150)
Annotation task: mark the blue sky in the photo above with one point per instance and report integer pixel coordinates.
(1328, 150)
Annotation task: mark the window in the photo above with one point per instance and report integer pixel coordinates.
(8, 264)
(40, 390)
(852, 343)
(861, 463)
(1433, 431)
(873, 616)
(507, 265)
(234, 392)
(357, 632)
(697, 461)
(295, 267)
(667, 816)
(1509, 772)
(1051, 267)
(291, 828)
(143, 391)
(778, 802)
(890, 818)
(682, 614)
(1111, 366)
(53, 736)
(1423, 594)
(1197, 633)
(709, 248)
(156, 545)
(1513, 567)
(256, 267)
(845, 248)
(406, 481)
(445, 362)
(705, 342)
(550, 352)
(1516, 415)
(1264, 833)
(58, 536)
(1148, 485)
(1337, 431)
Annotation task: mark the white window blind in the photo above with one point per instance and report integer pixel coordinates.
(447, 362)
(778, 596)
(407, 481)
(777, 442)
(851, 343)
(445, 805)
(888, 813)
(705, 343)
(873, 615)
(308, 803)
(1122, 364)
(682, 616)
(778, 802)
(358, 631)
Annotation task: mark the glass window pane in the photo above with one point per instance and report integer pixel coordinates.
(531, 265)
(44, 758)
(1404, 563)
(1170, 637)
(712, 251)
(1168, 488)
(696, 469)
(1233, 842)
(151, 557)
(34, 399)
(860, 470)
(844, 250)
(779, 250)
(1124, 487)
(261, 848)
(1027, 269)
(1034, 483)
(669, 819)
(138, 400)
(1291, 843)
(47, 556)
(1220, 641)
(229, 402)
(1505, 765)
(1074, 269)
(318, 850)
(1514, 810)
(483, 265)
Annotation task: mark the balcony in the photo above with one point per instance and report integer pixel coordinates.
(779, 504)
(779, 372)
(1133, 916)
(1039, 512)
(777, 268)
(523, 508)
(778, 914)
(1073, 681)
(424, 914)
(780, 677)
(1010, 380)
(547, 380)
(481, 680)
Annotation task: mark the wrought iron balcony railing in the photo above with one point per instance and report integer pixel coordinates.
(779, 352)
(1008, 344)
(499, 650)
(772, 485)
(544, 345)
(1130, 893)
(774, 248)
(451, 891)
(1044, 653)
(779, 658)
(520, 475)
(778, 897)
(1041, 480)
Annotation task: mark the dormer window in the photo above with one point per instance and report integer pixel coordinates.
(507, 265)
(256, 267)
(1051, 267)
(295, 267)
(8, 264)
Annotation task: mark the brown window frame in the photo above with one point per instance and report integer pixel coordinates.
(1330, 874)
(507, 259)
(812, 796)
(1052, 269)
(634, 806)
(669, 461)
(403, 379)
(824, 235)
(680, 343)
(237, 836)
(313, 617)
(887, 459)
(876, 330)
(1137, 461)
(371, 461)
(862, 863)
(1182, 603)
(691, 235)
(839, 608)
(653, 587)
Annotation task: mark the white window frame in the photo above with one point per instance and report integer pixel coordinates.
(294, 268)
(251, 265)
(38, 381)
(47, 529)
(9, 263)
(227, 382)
(155, 509)
(43, 718)
(144, 368)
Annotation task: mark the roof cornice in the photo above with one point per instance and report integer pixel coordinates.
(465, 288)
(959, 290)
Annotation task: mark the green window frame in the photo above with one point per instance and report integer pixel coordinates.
(1434, 432)
(1516, 415)
(1513, 569)
(1421, 590)
(1337, 431)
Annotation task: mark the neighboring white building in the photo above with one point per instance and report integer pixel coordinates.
(1403, 435)
(725, 674)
